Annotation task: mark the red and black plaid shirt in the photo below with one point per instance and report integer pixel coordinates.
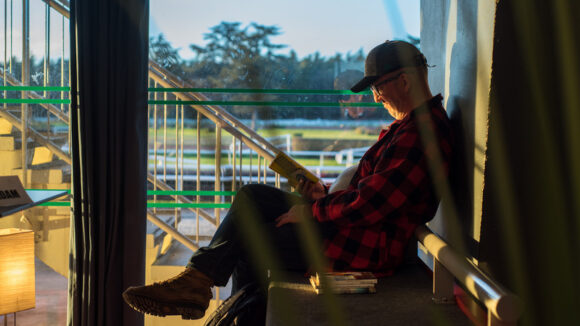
(390, 194)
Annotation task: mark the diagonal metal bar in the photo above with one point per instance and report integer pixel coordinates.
(15, 121)
(61, 6)
(51, 108)
(215, 113)
(172, 231)
(163, 186)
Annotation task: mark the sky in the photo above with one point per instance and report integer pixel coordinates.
(59, 31)
(307, 26)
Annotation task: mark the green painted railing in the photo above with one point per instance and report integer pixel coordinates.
(191, 192)
(155, 205)
(35, 88)
(205, 90)
(199, 90)
(34, 101)
(167, 193)
(267, 103)
(177, 102)
(254, 91)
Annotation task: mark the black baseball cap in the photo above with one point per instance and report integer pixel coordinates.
(388, 57)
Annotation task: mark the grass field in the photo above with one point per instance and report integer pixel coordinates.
(304, 133)
(208, 136)
(210, 159)
(319, 133)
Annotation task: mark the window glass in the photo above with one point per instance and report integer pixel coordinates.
(284, 69)
(280, 44)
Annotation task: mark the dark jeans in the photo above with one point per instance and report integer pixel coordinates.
(228, 253)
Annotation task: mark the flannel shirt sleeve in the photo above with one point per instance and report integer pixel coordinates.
(398, 173)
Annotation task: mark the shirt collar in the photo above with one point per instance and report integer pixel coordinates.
(432, 102)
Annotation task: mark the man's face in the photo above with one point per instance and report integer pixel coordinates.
(386, 90)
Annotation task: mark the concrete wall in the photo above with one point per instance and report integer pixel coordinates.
(457, 38)
(509, 73)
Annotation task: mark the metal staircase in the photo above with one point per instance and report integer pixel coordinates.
(48, 167)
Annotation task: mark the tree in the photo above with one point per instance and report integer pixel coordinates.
(237, 56)
(164, 54)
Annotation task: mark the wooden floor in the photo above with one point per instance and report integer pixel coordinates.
(51, 297)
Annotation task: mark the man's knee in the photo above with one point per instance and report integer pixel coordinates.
(249, 191)
(248, 197)
(252, 188)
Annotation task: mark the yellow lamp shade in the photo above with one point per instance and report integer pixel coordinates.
(17, 288)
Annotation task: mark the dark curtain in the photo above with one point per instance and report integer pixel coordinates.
(531, 213)
(109, 57)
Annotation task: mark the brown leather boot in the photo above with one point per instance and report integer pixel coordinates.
(186, 294)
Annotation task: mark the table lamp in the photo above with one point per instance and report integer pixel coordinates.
(17, 288)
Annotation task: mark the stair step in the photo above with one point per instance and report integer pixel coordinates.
(50, 175)
(177, 255)
(42, 155)
(7, 143)
(188, 226)
(41, 176)
(52, 186)
(12, 165)
(5, 127)
(11, 160)
(57, 211)
(55, 165)
(158, 233)
(39, 157)
(13, 141)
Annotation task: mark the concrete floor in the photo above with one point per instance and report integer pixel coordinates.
(403, 299)
(51, 297)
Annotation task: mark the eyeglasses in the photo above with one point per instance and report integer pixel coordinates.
(375, 88)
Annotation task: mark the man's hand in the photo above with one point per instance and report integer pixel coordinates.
(294, 215)
(309, 190)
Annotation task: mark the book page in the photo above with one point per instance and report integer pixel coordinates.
(291, 169)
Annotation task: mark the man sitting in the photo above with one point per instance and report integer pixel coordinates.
(363, 227)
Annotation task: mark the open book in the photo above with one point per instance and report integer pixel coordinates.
(291, 170)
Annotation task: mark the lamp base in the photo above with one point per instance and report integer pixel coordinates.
(6, 319)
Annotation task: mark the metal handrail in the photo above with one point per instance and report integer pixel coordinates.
(63, 8)
(16, 122)
(501, 303)
(49, 107)
(171, 231)
(225, 115)
(215, 113)
(219, 116)
(163, 186)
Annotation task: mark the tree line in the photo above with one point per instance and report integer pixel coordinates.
(237, 56)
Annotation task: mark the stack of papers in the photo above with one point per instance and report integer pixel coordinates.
(344, 282)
